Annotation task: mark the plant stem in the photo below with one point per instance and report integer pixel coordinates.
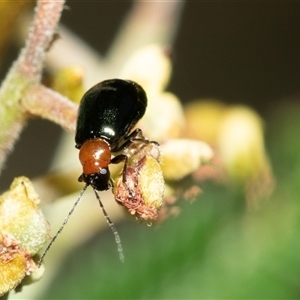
(48, 104)
(25, 72)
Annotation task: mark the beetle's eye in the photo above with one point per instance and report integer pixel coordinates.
(103, 171)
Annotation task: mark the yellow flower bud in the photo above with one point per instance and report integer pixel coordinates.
(69, 82)
(23, 232)
(142, 192)
(204, 119)
(181, 157)
(150, 66)
(241, 143)
(242, 151)
(164, 117)
(12, 264)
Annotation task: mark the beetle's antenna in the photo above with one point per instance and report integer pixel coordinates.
(112, 227)
(62, 226)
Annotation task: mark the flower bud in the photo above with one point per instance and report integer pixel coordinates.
(142, 192)
(156, 62)
(23, 232)
(181, 157)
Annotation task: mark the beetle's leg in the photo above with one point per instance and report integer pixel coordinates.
(119, 158)
(135, 136)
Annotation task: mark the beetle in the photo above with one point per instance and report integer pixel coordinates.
(107, 115)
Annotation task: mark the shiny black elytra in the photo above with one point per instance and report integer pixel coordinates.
(109, 110)
(107, 114)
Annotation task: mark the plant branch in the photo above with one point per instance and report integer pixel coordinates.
(25, 72)
(48, 104)
(47, 15)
